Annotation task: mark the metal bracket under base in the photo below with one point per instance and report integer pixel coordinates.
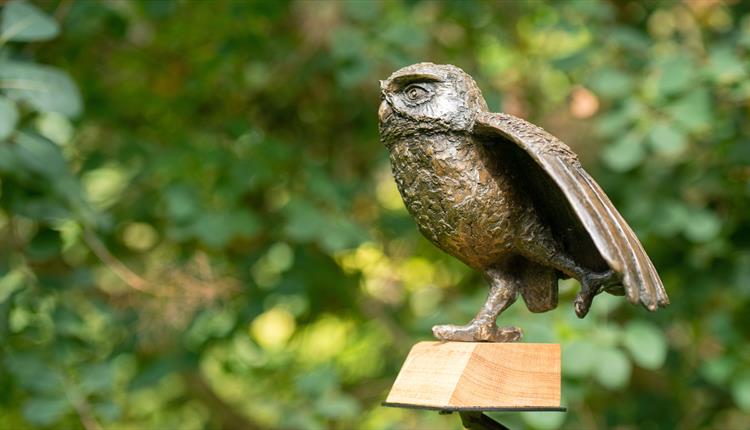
(477, 420)
(474, 418)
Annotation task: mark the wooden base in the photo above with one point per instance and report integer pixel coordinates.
(479, 376)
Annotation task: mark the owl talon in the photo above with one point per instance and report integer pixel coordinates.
(477, 332)
(591, 285)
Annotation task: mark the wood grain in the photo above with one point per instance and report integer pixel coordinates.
(479, 375)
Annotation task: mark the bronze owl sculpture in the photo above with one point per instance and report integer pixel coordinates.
(506, 198)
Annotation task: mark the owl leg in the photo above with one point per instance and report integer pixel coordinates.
(592, 283)
(547, 253)
(482, 328)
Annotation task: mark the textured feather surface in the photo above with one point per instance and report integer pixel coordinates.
(612, 236)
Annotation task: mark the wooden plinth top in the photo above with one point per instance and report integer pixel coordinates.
(462, 376)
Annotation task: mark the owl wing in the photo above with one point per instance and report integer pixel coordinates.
(590, 227)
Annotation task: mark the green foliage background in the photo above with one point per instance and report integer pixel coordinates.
(198, 227)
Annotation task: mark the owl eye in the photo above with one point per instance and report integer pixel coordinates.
(415, 93)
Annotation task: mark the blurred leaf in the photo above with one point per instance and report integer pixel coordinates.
(55, 127)
(217, 229)
(674, 218)
(105, 184)
(693, 111)
(348, 43)
(8, 117)
(362, 11)
(625, 154)
(35, 375)
(44, 88)
(613, 124)
(182, 203)
(667, 140)
(726, 66)
(23, 22)
(612, 368)
(306, 223)
(676, 75)
(210, 324)
(610, 83)
(108, 410)
(97, 378)
(544, 420)
(273, 328)
(646, 344)
(10, 283)
(579, 358)
(337, 406)
(45, 411)
(717, 370)
(630, 38)
(704, 226)
(741, 391)
(41, 156)
(317, 381)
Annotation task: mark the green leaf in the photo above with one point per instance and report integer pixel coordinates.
(45, 411)
(646, 344)
(8, 117)
(304, 220)
(612, 368)
(543, 420)
(667, 140)
(741, 391)
(693, 111)
(676, 75)
(725, 65)
(10, 283)
(216, 229)
(23, 22)
(337, 406)
(717, 370)
(624, 154)
(34, 375)
(105, 185)
(8, 163)
(108, 410)
(703, 227)
(674, 217)
(54, 127)
(210, 324)
(46, 89)
(41, 156)
(98, 378)
(614, 123)
(579, 358)
(611, 83)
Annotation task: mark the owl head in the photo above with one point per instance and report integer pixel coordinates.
(426, 97)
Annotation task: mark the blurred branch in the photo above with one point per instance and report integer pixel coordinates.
(82, 407)
(130, 278)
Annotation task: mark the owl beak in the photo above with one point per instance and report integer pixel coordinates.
(385, 111)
